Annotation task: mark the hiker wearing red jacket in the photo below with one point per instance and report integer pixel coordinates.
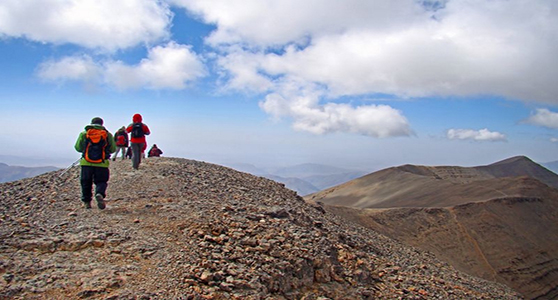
(137, 131)
(154, 151)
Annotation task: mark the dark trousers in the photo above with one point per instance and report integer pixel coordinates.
(136, 154)
(90, 175)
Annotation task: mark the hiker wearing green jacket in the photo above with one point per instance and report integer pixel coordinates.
(96, 145)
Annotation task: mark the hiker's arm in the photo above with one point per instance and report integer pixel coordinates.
(112, 143)
(80, 143)
(146, 130)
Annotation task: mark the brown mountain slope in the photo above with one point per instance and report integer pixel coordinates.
(477, 219)
(510, 240)
(422, 186)
(521, 166)
(181, 229)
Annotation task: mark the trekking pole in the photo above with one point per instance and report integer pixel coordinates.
(69, 167)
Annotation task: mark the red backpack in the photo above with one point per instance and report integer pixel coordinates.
(121, 140)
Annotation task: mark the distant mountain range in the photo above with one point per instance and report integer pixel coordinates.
(12, 173)
(443, 186)
(303, 178)
(311, 178)
(35, 161)
(498, 222)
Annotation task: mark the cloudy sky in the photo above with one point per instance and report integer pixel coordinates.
(354, 83)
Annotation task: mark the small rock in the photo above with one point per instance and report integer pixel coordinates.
(206, 276)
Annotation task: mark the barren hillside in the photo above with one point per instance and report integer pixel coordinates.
(498, 222)
(444, 186)
(182, 229)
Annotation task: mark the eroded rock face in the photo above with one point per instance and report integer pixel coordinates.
(510, 240)
(182, 229)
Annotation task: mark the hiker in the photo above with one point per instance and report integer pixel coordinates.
(96, 144)
(137, 131)
(154, 151)
(121, 139)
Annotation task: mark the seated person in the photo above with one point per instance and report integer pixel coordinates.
(154, 151)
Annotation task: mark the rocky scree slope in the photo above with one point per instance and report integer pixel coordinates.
(183, 229)
(509, 240)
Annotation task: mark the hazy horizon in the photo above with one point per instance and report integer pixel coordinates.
(22, 161)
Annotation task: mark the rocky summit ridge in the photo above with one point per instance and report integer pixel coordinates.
(183, 229)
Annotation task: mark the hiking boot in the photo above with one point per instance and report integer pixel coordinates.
(100, 201)
(87, 205)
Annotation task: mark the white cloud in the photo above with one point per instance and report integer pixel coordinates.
(300, 102)
(171, 66)
(167, 67)
(99, 24)
(243, 71)
(404, 48)
(476, 135)
(543, 117)
(268, 22)
(81, 68)
(398, 47)
(330, 48)
(554, 140)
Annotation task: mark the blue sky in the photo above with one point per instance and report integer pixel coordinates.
(357, 84)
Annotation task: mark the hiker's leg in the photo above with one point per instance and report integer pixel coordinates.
(86, 183)
(136, 155)
(101, 178)
(115, 153)
(124, 149)
(143, 147)
(142, 150)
